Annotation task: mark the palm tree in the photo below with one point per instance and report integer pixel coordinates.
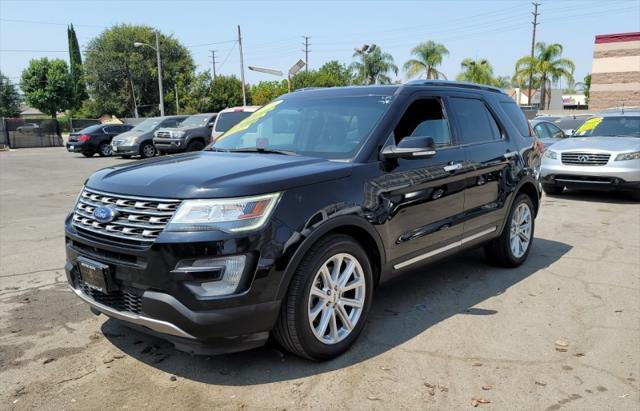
(503, 82)
(547, 66)
(428, 56)
(476, 71)
(526, 68)
(373, 65)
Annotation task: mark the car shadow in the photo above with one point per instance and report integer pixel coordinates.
(595, 196)
(402, 309)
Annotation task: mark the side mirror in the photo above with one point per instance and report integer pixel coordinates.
(211, 123)
(410, 148)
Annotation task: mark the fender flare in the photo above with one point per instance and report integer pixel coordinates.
(318, 232)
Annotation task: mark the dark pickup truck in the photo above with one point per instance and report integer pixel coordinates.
(192, 134)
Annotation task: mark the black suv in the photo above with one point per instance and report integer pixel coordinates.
(287, 223)
(192, 134)
(95, 139)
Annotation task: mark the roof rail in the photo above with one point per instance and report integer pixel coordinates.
(448, 83)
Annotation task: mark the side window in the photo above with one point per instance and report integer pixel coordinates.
(169, 123)
(108, 130)
(541, 131)
(476, 124)
(554, 131)
(424, 118)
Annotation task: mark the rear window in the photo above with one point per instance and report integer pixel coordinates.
(516, 116)
(227, 120)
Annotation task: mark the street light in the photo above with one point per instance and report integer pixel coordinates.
(157, 49)
(292, 71)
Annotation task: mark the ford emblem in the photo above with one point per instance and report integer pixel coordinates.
(104, 214)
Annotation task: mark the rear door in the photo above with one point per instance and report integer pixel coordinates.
(490, 157)
(424, 197)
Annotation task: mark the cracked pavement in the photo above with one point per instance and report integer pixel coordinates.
(438, 338)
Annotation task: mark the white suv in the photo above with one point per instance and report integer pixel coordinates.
(229, 117)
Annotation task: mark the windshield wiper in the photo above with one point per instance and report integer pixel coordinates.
(260, 150)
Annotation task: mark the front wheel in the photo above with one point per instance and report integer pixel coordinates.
(195, 146)
(147, 150)
(328, 300)
(105, 150)
(512, 247)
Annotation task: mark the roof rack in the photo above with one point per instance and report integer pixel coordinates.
(448, 83)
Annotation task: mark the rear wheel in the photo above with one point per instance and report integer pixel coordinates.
(195, 146)
(512, 247)
(328, 300)
(105, 150)
(147, 150)
(552, 189)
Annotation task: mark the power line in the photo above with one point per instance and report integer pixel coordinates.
(227, 57)
(210, 44)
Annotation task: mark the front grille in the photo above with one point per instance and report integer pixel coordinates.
(118, 300)
(163, 134)
(585, 159)
(138, 220)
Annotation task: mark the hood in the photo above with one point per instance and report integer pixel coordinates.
(208, 174)
(180, 128)
(607, 144)
(131, 133)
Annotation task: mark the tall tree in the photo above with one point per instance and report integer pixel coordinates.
(116, 70)
(77, 73)
(226, 91)
(428, 56)
(47, 85)
(547, 66)
(476, 71)
(373, 65)
(265, 91)
(526, 68)
(9, 98)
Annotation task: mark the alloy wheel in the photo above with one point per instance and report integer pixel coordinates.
(149, 150)
(520, 236)
(336, 298)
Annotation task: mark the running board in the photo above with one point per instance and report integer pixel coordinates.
(445, 248)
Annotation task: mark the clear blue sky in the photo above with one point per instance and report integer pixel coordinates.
(497, 30)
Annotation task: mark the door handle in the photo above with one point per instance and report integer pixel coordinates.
(453, 167)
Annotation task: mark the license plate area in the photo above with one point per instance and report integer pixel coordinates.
(96, 275)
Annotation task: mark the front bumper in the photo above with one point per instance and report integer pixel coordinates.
(169, 145)
(612, 176)
(164, 304)
(121, 150)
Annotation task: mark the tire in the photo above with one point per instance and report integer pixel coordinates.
(105, 150)
(147, 150)
(552, 189)
(195, 146)
(294, 331)
(500, 251)
(88, 154)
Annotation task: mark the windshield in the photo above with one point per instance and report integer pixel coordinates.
(147, 125)
(227, 120)
(327, 127)
(195, 121)
(623, 126)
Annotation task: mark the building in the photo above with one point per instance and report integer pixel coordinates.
(615, 74)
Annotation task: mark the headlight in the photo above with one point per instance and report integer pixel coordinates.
(628, 156)
(550, 154)
(178, 134)
(226, 214)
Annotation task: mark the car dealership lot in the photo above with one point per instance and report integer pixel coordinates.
(561, 331)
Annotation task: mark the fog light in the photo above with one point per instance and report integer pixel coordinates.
(228, 269)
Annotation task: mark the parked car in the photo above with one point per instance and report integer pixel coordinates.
(139, 140)
(569, 124)
(95, 139)
(28, 128)
(229, 117)
(547, 132)
(190, 135)
(286, 225)
(605, 156)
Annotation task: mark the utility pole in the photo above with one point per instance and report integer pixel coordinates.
(306, 52)
(533, 44)
(213, 62)
(244, 94)
(159, 75)
(175, 88)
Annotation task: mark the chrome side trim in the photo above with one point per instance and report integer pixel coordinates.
(156, 325)
(566, 180)
(445, 248)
